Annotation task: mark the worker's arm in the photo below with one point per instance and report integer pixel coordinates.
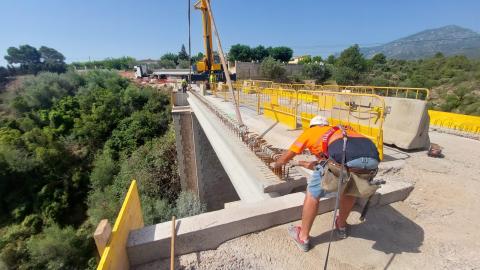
(287, 156)
(284, 159)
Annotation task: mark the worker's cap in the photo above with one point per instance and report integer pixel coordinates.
(318, 121)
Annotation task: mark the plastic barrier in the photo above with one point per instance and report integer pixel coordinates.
(129, 218)
(454, 121)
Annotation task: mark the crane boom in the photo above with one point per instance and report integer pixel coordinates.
(207, 64)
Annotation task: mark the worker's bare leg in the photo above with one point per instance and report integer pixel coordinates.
(310, 209)
(346, 205)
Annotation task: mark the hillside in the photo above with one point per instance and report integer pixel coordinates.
(449, 40)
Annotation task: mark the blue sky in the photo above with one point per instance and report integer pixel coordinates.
(96, 29)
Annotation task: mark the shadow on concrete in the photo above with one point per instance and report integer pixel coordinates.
(395, 154)
(392, 232)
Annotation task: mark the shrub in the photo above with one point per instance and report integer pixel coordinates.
(272, 69)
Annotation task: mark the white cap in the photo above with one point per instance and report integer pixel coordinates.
(318, 121)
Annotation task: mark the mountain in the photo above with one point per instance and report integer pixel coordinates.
(449, 40)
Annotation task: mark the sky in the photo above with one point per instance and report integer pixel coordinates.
(96, 29)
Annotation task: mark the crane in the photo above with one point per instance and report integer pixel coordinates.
(207, 64)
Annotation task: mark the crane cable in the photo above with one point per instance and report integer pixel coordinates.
(189, 43)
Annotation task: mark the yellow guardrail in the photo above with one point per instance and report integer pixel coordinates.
(129, 218)
(460, 122)
(386, 91)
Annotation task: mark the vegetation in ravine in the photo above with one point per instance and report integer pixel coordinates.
(70, 144)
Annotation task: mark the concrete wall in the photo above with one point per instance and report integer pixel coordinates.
(251, 70)
(199, 168)
(215, 188)
(406, 125)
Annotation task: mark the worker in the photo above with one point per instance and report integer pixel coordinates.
(212, 81)
(184, 85)
(326, 143)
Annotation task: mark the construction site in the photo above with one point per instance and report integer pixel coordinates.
(289, 163)
(228, 134)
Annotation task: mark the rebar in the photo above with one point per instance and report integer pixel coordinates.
(256, 143)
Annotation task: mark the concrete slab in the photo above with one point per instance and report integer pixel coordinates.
(247, 173)
(209, 230)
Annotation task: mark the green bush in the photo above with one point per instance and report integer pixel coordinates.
(272, 69)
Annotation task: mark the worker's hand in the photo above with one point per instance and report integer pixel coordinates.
(294, 163)
(275, 165)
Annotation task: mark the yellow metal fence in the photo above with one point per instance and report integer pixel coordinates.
(129, 218)
(460, 122)
(294, 108)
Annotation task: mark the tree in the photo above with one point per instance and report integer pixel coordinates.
(183, 55)
(240, 52)
(331, 59)
(272, 69)
(197, 57)
(352, 58)
(315, 71)
(283, 54)
(259, 53)
(379, 58)
(305, 59)
(3, 74)
(167, 63)
(317, 59)
(52, 60)
(350, 65)
(26, 56)
(170, 57)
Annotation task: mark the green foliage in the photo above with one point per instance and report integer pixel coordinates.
(282, 54)
(349, 66)
(240, 52)
(272, 69)
(379, 59)
(32, 61)
(121, 63)
(244, 53)
(77, 142)
(183, 55)
(171, 57)
(315, 71)
(188, 204)
(259, 53)
(167, 63)
(42, 91)
(57, 248)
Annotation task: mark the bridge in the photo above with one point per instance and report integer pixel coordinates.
(227, 165)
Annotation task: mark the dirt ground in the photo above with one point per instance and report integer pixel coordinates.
(435, 228)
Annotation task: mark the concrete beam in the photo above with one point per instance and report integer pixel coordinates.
(249, 176)
(209, 230)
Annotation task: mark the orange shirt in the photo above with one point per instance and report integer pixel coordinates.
(312, 139)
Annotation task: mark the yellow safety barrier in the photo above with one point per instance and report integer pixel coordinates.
(363, 112)
(129, 218)
(387, 91)
(460, 122)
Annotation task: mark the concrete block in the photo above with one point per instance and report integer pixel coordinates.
(406, 125)
(209, 230)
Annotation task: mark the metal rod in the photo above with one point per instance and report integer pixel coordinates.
(172, 245)
(224, 63)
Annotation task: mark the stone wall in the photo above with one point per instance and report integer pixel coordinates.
(199, 168)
